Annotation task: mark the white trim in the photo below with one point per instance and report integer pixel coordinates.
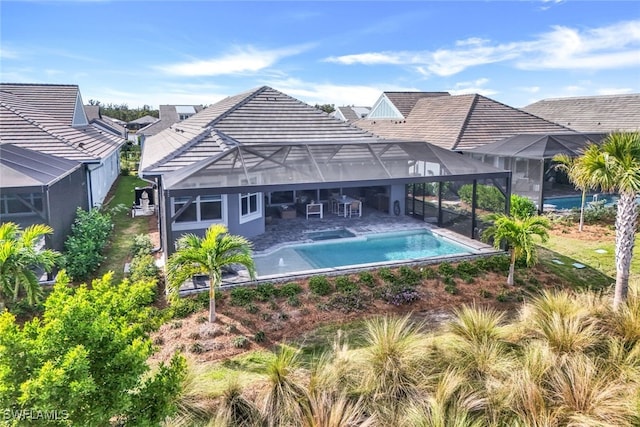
(251, 216)
(194, 225)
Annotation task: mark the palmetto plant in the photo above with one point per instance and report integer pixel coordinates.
(519, 235)
(614, 167)
(19, 257)
(208, 255)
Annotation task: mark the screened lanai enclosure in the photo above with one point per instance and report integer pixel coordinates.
(530, 158)
(396, 177)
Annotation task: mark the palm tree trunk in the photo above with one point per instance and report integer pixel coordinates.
(512, 268)
(584, 196)
(626, 220)
(212, 299)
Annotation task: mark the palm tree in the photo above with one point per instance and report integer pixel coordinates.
(19, 257)
(518, 234)
(208, 255)
(614, 167)
(568, 164)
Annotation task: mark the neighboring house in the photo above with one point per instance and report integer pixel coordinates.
(263, 152)
(50, 119)
(606, 113)
(141, 122)
(169, 114)
(107, 124)
(38, 188)
(453, 122)
(351, 113)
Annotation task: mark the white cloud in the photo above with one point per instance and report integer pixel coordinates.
(241, 60)
(8, 53)
(530, 89)
(475, 86)
(612, 46)
(614, 90)
(173, 95)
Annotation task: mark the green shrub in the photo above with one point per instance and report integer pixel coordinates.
(522, 207)
(345, 285)
(446, 269)
(409, 276)
(449, 281)
(143, 267)
(293, 301)
(290, 289)
(467, 268)
(83, 248)
(386, 275)
(429, 273)
(320, 285)
(259, 336)
(242, 295)
(485, 293)
(183, 307)
(452, 289)
(141, 245)
(240, 342)
(488, 197)
(266, 291)
(367, 279)
(252, 308)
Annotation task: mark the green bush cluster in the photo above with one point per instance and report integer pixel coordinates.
(83, 248)
(522, 207)
(345, 285)
(320, 285)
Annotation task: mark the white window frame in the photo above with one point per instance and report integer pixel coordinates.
(198, 224)
(251, 216)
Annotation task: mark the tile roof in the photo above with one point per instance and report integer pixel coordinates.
(604, 113)
(95, 117)
(168, 116)
(144, 120)
(57, 101)
(405, 101)
(24, 124)
(27, 168)
(460, 122)
(260, 116)
(351, 113)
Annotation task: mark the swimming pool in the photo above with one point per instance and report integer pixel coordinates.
(358, 251)
(340, 233)
(573, 202)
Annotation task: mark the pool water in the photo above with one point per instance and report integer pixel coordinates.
(358, 251)
(330, 234)
(573, 202)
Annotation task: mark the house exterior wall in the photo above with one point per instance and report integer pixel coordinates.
(103, 176)
(397, 193)
(231, 219)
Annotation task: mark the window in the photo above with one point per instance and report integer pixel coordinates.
(250, 206)
(12, 205)
(205, 209)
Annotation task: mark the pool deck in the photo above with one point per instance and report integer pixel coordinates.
(284, 231)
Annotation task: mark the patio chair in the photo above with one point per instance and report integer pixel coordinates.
(355, 208)
(314, 209)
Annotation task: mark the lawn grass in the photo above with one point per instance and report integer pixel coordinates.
(571, 277)
(125, 227)
(584, 252)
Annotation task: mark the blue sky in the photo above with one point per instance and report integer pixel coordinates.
(342, 53)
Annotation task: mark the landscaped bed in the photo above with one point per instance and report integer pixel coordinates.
(251, 318)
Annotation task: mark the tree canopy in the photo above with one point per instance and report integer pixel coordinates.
(123, 112)
(86, 358)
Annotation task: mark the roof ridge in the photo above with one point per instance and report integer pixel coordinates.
(45, 129)
(199, 137)
(237, 105)
(474, 102)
